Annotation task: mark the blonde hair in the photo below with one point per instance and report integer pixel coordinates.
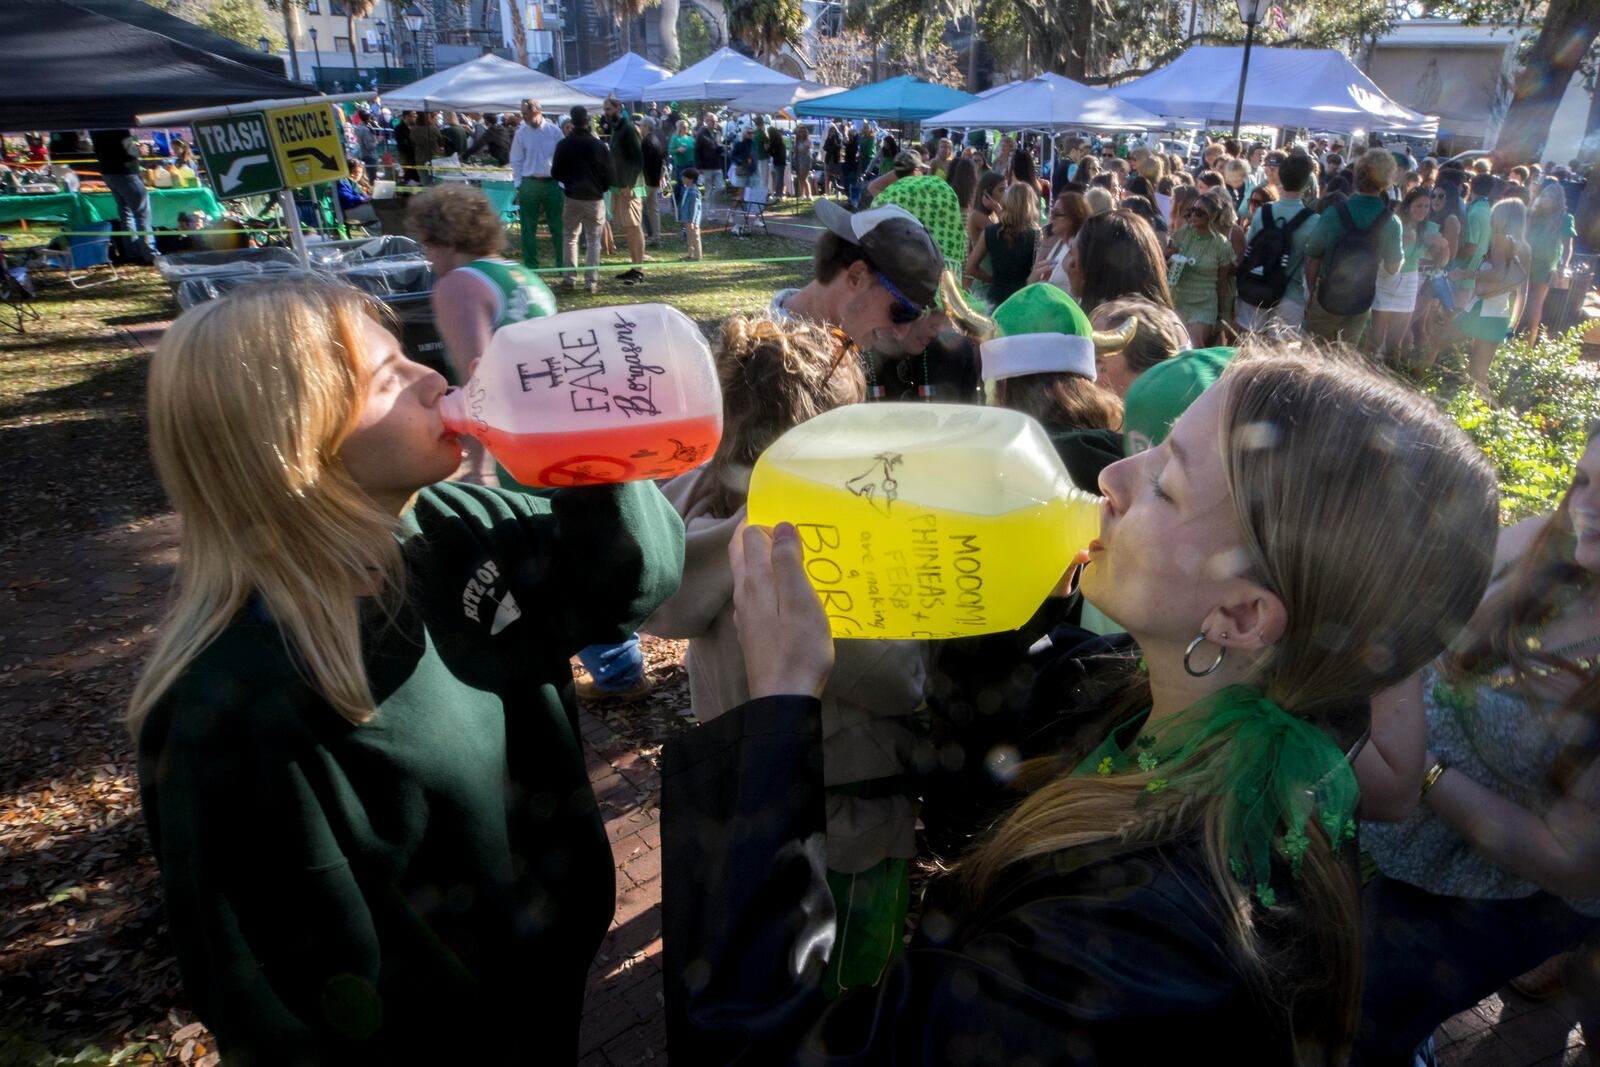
(1019, 209)
(250, 399)
(1374, 170)
(1509, 217)
(1236, 167)
(774, 376)
(457, 217)
(1321, 453)
(1098, 197)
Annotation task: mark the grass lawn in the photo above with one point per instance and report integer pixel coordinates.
(708, 291)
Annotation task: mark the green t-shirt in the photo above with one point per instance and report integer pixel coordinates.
(359, 894)
(682, 149)
(1416, 246)
(1363, 209)
(1477, 235)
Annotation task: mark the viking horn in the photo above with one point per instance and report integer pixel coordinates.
(1119, 338)
(976, 325)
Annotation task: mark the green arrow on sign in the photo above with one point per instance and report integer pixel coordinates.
(237, 152)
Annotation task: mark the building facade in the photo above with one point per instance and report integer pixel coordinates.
(1464, 74)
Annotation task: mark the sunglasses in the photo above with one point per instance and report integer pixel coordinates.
(904, 312)
(1197, 213)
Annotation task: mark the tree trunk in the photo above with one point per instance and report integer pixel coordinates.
(1075, 64)
(668, 25)
(1570, 27)
(291, 33)
(518, 32)
(972, 51)
(350, 35)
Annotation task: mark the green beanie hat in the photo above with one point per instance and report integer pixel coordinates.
(1040, 330)
(1161, 394)
(930, 198)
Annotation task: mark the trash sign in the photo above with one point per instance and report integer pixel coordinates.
(238, 154)
(309, 143)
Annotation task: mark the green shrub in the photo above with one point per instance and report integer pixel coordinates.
(1543, 397)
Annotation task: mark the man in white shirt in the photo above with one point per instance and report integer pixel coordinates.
(533, 147)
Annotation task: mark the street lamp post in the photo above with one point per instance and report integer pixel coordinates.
(383, 43)
(1249, 14)
(413, 19)
(317, 53)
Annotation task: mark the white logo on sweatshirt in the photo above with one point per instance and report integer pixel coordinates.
(481, 587)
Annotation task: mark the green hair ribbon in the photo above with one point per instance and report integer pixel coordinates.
(1282, 772)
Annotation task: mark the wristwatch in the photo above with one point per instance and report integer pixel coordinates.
(1432, 777)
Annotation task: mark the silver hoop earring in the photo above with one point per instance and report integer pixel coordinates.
(1196, 643)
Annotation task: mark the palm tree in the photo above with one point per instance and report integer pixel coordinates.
(357, 9)
(623, 13)
(765, 25)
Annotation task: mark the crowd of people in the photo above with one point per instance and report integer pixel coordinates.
(1300, 636)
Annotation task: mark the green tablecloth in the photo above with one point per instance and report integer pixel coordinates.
(43, 206)
(80, 209)
(164, 205)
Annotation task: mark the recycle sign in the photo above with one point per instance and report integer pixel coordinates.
(238, 154)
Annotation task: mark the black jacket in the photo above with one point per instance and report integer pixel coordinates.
(582, 165)
(777, 150)
(495, 140)
(707, 150)
(655, 159)
(1095, 956)
(627, 155)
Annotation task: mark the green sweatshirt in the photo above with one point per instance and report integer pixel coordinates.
(437, 879)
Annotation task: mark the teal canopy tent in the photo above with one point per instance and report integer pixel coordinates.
(903, 99)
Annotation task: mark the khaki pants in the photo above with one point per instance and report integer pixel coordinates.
(1326, 326)
(691, 231)
(590, 216)
(627, 213)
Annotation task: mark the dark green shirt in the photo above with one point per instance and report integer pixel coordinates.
(1363, 209)
(437, 878)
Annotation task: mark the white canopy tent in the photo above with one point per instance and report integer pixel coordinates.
(1296, 87)
(723, 75)
(625, 78)
(487, 83)
(776, 97)
(1048, 102)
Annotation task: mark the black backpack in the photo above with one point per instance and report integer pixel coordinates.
(1349, 279)
(1264, 274)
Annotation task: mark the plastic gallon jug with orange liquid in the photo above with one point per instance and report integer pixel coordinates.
(612, 394)
(925, 520)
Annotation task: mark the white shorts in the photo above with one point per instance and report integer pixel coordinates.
(1397, 292)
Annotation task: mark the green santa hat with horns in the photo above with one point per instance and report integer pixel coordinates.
(1039, 329)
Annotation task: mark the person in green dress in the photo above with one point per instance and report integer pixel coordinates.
(358, 745)
(1395, 299)
(475, 290)
(1200, 262)
(1550, 234)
